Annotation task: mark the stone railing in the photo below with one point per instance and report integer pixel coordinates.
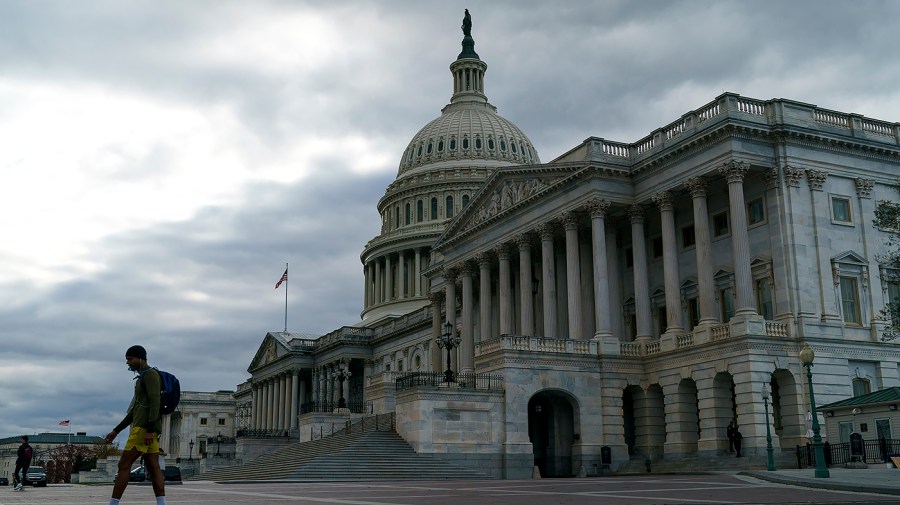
(776, 329)
(630, 349)
(720, 332)
(684, 340)
(763, 113)
(652, 347)
(536, 344)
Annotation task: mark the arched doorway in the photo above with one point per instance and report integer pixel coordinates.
(551, 429)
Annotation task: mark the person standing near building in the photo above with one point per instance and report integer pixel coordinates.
(729, 432)
(738, 440)
(23, 461)
(146, 423)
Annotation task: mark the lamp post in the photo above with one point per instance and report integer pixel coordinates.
(448, 341)
(218, 444)
(191, 450)
(342, 373)
(806, 356)
(770, 460)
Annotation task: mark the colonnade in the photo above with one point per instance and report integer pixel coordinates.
(394, 276)
(510, 312)
(276, 401)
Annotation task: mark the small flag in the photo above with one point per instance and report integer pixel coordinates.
(283, 279)
(64, 423)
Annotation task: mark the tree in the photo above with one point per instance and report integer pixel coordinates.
(887, 219)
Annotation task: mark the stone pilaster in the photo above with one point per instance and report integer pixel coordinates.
(525, 285)
(663, 200)
(599, 210)
(484, 296)
(548, 272)
(734, 172)
(573, 275)
(641, 280)
(504, 290)
(703, 248)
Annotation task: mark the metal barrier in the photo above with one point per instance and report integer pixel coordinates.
(874, 451)
(479, 381)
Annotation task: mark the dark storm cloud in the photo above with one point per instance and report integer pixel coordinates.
(199, 293)
(149, 288)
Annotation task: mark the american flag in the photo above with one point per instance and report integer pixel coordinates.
(283, 279)
(64, 423)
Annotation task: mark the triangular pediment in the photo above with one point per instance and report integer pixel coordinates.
(504, 192)
(273, 346)
(850, 257)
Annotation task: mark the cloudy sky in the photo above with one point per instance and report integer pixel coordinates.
(161, 161)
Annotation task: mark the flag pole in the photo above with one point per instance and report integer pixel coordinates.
(286, 284)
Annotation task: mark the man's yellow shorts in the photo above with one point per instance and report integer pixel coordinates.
(136, 441)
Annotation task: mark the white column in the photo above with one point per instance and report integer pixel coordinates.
(467, 342)
(573, 275)
(484, 296)
(504, 290)
(401, 269)
(450, 301)
(436, 330)
(367, 279)
(641, 281)
(734, 172)
(270, 403)
(389, 278)
(670, 263)
(617, 317)
(377, 298)
(279, 403)
(254, 405)
(525, 285)
(705, 283)
(548, 272)
(599, 210)
(417, 278)
(295, 385)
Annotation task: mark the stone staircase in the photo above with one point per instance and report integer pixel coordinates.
(346, 456)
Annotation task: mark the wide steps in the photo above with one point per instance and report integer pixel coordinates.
(373, 455)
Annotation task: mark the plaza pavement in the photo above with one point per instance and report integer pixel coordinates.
(872, 485)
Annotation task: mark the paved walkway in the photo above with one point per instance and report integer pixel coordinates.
(874, 479)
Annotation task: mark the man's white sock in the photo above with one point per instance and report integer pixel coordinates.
(160, 500)
(113, 501)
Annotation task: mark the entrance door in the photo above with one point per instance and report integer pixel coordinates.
(551, 428)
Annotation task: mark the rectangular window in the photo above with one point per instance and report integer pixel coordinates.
(661, 318)
(840, 210)
(764, 303)
(688, 239)
(221, 421)
(893, 291)
(720, 224)
(861, 387)
(756, 212)
(845, 428)
(434, 208)
(629, 257)
(693, 312)
(420, 211)
(657, 247)
(203, 421)
(883, 429)
(633, 332)
(726, 300)
(850, 301)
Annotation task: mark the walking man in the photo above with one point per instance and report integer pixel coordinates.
(23, 461)
(146, 423)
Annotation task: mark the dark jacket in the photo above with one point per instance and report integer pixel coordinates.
(144, 409)
(24, 454)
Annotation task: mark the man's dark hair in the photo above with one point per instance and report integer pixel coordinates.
(25, 438)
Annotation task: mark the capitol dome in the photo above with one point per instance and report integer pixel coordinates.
(469, 128)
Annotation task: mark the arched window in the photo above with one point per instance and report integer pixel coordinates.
(408, 214)
(449, 210)
(453, 143)
(491, 143)
(419, 152)
(502, 145)
(441, 145)
(477, 142)
(465, 143)
(511, 145)
(434, 209)
(465, 200)
(420, 211)
(397, 217)
(428, 149)
(861, 387)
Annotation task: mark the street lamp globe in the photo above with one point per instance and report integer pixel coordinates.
(807, 355)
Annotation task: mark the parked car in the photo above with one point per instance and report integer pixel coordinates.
(4, 481)
(171, 473)
(36, 476)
